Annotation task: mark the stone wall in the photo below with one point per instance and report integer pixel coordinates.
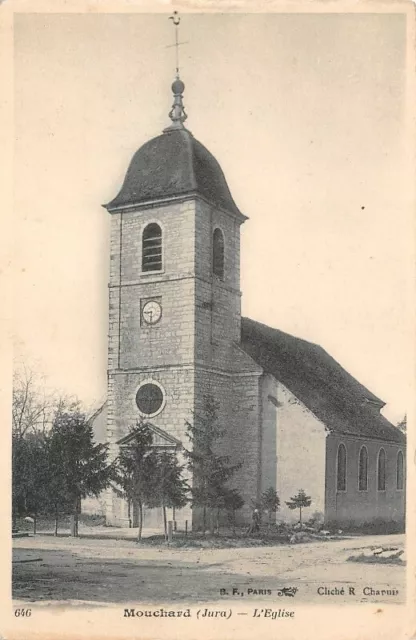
(245, 439)
(171, 341)
(238, 401)
(163, 352)
(178, 384)
(217, 302)
(191, 351)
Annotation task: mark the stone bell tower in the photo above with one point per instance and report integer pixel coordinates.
(174, 291)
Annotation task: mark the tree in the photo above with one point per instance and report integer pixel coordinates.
(169, 487)
(299, 501)
(30, 476)
(30, 405)
(59, 501)
(20, 475)
(33, 407)
(210, 471)
(232, 503)
(50, 472)
(136, 473)
(270, 502)
(78, 465)
(37, 483)
(402, 425)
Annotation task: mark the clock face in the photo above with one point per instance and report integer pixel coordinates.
(151, 312)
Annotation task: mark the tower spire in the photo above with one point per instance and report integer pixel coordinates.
(177, 113)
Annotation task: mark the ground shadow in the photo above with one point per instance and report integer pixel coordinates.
(62, 575)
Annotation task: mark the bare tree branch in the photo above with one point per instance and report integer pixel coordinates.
(34, 409)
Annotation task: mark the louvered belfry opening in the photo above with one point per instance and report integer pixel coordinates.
(152, 248)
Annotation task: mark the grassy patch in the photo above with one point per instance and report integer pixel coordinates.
(45, 523)
(375, 559)
(199, 541)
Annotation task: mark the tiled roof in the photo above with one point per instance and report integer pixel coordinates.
(174, 164)
(318, 381)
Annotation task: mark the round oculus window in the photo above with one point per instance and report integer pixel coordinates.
(149, 399)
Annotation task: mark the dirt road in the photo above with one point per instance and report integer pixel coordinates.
(94, 571)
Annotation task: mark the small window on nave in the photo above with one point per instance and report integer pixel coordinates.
(400, 471)
(273, 400)
(152, 248)
(218, 254)
(363, 469)
(381, 470)
(342, 468)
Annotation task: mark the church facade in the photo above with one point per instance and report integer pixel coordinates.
(294, 417)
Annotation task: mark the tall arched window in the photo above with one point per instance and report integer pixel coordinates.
(342, 468)
(381, 470)
(363, 470)
(152, 248)
(400, 471)
(218, 254)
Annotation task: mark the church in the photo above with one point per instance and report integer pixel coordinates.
(294, 417)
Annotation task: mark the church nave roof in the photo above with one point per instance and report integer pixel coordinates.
(316, 379)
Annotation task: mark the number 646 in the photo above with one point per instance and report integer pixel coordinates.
(23, 613)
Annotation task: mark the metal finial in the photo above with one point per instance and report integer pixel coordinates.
(177, 113)
(176, 21)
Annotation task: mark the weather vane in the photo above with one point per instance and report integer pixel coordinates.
(176, 21)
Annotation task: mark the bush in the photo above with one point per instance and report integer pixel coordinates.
(316, 520)
(92, 520)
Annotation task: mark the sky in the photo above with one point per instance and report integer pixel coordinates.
(306, 115)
